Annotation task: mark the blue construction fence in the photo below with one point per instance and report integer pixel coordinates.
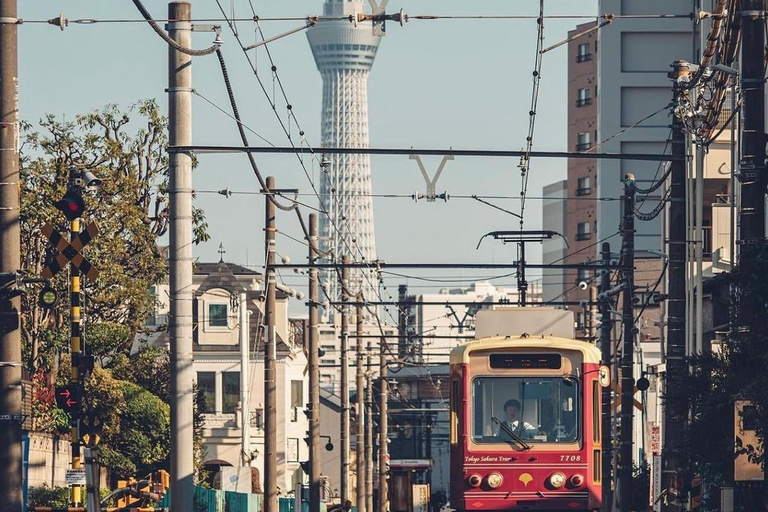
(212, 500)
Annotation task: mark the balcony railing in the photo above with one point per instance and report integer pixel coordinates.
(582, 102)
(583, 146)
(583, 236)
(583, 57)
(585, 191)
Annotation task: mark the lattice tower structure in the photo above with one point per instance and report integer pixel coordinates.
(344, 53)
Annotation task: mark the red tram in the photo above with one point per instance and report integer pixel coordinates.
(525, 425)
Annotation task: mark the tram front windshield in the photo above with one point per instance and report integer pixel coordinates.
(534, 409)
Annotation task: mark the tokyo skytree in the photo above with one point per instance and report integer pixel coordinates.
(344, 55)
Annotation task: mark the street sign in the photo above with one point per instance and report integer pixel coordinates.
(75, 477)
(70, 251)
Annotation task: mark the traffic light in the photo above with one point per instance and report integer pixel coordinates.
(71, 205)
(68, 397)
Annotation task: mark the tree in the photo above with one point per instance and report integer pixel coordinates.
(131, 209)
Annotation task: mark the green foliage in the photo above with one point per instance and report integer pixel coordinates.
(44, 496)
(127, 151)
(736, 372)
(150, 368)
(146, 429)
(202, 476)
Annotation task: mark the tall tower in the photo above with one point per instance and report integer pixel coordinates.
(344, 55)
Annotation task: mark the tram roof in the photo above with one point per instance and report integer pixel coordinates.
(461, 353)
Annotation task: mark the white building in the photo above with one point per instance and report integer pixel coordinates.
(442, 320)
(217, 366)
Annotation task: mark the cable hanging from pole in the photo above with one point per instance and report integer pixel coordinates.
(189, 51)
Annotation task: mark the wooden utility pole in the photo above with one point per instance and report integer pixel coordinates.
(368, 431)
(627, 351)
(674, 406)
(314, 373)
(180, 260)
(270, 349)
(383, 428)
(606, 439)
(10, 262)
(344, 437)
(360, 425)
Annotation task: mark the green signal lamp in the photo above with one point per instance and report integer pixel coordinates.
(48, 297)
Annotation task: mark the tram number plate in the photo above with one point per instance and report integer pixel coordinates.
(570, 458)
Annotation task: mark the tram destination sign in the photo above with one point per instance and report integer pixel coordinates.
(546, 361)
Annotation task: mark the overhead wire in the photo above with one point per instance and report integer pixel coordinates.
(525, 160)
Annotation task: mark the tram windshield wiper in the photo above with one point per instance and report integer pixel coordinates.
(511, 433)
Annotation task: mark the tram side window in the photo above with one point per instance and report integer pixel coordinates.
(534, 409)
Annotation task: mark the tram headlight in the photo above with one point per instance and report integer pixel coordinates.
(556, 480)
(474, 480)
(577, 480)
(494, 480)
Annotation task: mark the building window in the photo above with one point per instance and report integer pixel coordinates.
(217, 315)
(293, 449)
(230, 383)
(582, 275)
(297, 398)
(583, 142)
(583, 98)
(206, 386)
(583, 231)
(582, 187)
(582, 53)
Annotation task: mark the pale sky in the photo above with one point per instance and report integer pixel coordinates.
(464, 84)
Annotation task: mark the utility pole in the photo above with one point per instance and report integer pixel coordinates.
(344, 437)
(752, 177)
(627, 350)
(10, 262)
(270, 348)
(402, 322)
(675, 411)
(180, 260)
(606, 439)
(360, 426)
(368, 431)
(752, 166)
(245, 368)
(383, 429)
(314, 373)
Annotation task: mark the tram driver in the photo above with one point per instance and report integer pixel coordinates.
(514, 423)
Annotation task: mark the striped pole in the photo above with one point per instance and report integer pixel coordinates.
(75, 345)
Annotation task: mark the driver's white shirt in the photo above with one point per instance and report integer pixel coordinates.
(512, 425)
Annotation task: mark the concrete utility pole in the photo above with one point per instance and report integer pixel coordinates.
(360, 426)
(10, 262)
(344, 419)
(606, 439)
(752, 165)
(245, 368)
(674, 410)
(402, 322)
(368, 431)
(383, 429)
(752, 177)
(270, 349)
(627, 350)
(180, 259)
(314, 373)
